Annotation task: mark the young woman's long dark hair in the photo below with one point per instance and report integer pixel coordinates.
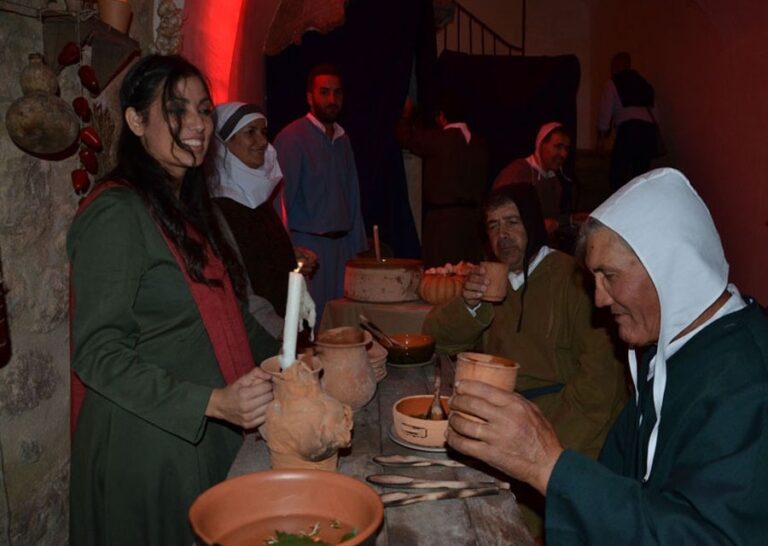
(158, 76)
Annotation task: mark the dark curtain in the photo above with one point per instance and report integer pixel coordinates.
(509, 98)
(375, 51)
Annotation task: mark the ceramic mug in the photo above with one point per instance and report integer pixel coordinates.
(497, 371)
(498, 274)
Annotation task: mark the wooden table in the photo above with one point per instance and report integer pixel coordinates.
(393, 318)
(481, 521)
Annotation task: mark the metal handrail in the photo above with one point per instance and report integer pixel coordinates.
(461, 11)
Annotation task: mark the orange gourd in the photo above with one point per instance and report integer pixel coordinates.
(438, 288)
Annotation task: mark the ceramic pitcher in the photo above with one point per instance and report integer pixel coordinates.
(347, 376)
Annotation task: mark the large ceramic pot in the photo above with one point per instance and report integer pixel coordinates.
(347, 376)
(305, 427)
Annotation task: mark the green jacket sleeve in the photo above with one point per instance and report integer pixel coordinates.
(454, 328)
(583, 412)
(108, 259)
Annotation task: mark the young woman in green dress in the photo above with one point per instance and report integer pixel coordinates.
(163, 356)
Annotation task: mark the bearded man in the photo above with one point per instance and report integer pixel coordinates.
(322, 191)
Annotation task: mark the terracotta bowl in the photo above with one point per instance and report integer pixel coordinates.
(418, 348)
(409, 425)
(250, 508)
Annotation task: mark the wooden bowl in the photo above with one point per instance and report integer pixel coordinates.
(250, 508)
(409, 426)
(417, 348)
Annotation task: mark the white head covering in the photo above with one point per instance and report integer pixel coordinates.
(534, 160)
(670, 229)
(237, 181)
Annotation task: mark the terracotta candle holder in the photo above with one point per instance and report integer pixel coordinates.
(493, 370)
(305, 427)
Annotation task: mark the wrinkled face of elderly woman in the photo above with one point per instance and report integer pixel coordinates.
(250, 143)
(180, 141)
(623, 284)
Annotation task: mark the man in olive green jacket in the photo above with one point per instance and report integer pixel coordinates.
(547, 323)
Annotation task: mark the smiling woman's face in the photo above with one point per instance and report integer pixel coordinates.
(189, 117)
(250, 143)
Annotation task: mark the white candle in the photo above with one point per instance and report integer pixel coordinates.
(376, 244)
(291, 327)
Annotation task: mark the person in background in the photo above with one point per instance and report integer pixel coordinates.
(544, 170)
(245, 192)
(163, 353)
(628, 105)
(454, 182)
(547, 323)
(684, 464)
(322, 191)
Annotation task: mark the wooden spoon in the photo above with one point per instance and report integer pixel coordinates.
(435, 411)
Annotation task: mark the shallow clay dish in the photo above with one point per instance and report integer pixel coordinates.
(250, 508)
(409, 426)
(417, 348)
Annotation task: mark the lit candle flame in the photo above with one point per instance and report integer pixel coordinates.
(299, 266)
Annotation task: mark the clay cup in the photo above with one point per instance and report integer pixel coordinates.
(498, 274)
(494, 370)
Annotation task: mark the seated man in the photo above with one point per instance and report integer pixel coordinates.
(568, 365)
(544, 170)
(685, 461)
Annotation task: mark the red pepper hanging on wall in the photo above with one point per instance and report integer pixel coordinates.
(80, 181)
(88, 78)
(90, 138)
(69, 54)
(89, 161)
(82, 108)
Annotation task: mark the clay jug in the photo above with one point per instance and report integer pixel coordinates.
(38, 76)
(347, 376)
(305, 427)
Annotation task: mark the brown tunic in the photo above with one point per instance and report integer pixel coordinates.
(455, 175)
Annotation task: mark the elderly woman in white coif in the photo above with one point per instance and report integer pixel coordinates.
(248, 196)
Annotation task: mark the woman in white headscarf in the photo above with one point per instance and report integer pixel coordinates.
(246, 193)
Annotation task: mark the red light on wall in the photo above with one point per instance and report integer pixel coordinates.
(210, 34)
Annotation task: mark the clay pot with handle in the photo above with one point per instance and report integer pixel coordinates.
(348, 375)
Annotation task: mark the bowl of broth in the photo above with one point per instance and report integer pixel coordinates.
(274, 507)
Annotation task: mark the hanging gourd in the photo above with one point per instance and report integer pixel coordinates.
(40, 122)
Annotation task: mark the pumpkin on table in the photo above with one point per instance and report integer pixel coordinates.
(441, 284)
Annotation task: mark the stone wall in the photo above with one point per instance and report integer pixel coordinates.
(36, 206)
